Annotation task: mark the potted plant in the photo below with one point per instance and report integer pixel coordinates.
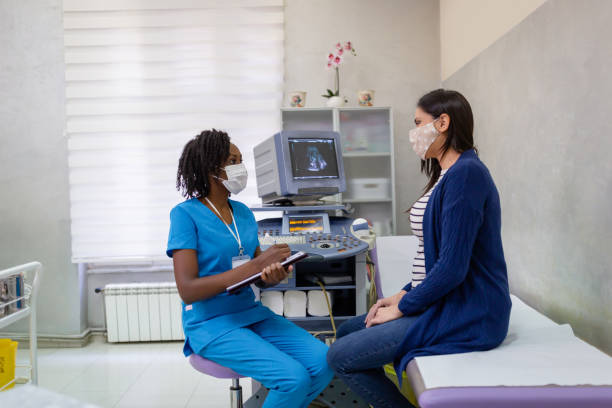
(334, 60)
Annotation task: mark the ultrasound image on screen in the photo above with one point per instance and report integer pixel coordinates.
(313, 158)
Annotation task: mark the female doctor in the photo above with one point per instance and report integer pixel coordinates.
(213, 242)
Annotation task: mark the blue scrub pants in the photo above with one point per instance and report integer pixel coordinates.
(282, 356)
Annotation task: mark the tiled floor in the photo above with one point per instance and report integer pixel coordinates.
(131, 375)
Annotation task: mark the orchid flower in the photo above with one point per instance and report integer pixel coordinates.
(334, 59)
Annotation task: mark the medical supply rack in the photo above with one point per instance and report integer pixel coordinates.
(28, 299)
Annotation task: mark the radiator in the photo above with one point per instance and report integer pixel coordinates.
(142, 312)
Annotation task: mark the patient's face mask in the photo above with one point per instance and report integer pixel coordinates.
(237, 178)
(421, 138)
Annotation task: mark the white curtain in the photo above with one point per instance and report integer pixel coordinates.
(142, 78)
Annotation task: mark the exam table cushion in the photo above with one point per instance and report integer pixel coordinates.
(541, 357)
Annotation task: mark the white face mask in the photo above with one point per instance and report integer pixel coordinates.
(422, 138)
(237, 177)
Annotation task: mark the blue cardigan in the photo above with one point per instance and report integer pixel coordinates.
(464, 302)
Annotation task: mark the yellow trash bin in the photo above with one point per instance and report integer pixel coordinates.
(8, 355)
(406, 389)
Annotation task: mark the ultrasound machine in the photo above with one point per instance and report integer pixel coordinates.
(294, 170)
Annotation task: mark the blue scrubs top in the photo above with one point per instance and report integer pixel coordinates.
(194, 226)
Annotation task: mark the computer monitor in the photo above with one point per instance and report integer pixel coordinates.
(299, 165)
(313, 158)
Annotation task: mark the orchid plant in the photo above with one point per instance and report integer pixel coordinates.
(334, 60)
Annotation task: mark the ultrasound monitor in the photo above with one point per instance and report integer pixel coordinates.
(313, 158)
(299, 165)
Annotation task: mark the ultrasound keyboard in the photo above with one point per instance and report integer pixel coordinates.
(338, 243)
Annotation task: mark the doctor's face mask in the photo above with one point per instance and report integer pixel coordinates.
(237, 178)
(422, 137)
(236, 175)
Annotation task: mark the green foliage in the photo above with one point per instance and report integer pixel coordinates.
(331, 93)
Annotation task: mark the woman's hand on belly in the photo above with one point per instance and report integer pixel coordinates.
(386, 302)
(274, 274)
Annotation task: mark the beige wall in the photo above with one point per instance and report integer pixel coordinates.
(467, 27)
(531, 92)
(398, 55)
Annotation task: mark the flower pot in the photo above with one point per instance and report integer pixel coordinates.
(366, 97)
(297, 99)
(335, 102)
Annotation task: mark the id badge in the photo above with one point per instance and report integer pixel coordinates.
(240, 260)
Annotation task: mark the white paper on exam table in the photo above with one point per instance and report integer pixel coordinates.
(536, 352)
(30, 396)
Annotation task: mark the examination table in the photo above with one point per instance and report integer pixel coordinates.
(540, 364)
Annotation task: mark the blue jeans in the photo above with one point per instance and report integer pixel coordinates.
(359, 353)
(282, 356)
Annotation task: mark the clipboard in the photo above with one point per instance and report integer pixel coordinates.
(298, 256)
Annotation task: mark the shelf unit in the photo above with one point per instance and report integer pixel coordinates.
(365, 154)
(348, 299)
(367, 151)
(31, 274)
(328, 287)
(366, 200)
(317, 318)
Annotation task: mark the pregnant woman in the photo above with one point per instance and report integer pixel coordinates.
(458, 300)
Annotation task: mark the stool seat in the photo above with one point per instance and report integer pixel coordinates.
(211, 368)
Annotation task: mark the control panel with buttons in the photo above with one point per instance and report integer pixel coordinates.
(323, 245)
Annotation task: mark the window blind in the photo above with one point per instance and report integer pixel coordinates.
(142, 78)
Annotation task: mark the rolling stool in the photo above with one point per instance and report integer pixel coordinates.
(218, 371)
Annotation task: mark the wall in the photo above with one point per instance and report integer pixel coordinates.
(541, 116)
(467, 27)
(34, 208)
(541, 100)
(398, 49)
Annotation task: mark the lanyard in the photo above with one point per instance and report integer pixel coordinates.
(237, 234)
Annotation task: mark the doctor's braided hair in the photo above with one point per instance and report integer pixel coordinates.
(202, 156)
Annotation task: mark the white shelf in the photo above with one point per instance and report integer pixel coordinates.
(366, 154)
(317, 318)
(366, 200)
(290, 109)
(314, 287)
(326, 109)
(354, 123)
(29, 297)
(13, 317)
(364, 108)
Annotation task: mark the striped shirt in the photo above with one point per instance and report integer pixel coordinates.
(416, 223)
